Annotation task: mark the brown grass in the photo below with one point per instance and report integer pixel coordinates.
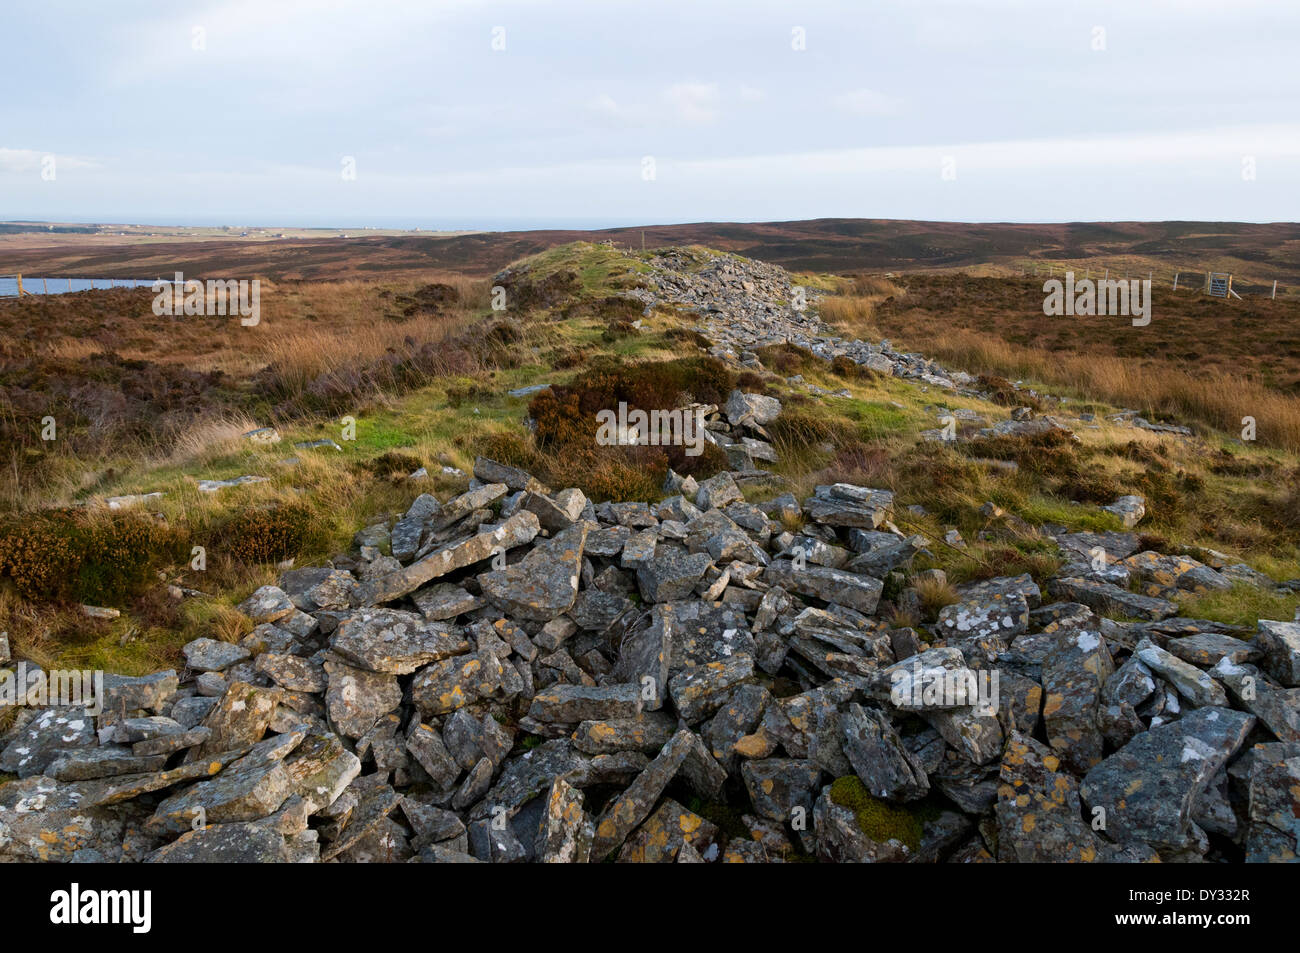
(1200, 360)
(855, 310)
(1214, 398)
(934, 595)
(229, 625)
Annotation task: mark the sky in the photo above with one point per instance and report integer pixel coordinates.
(566, 113)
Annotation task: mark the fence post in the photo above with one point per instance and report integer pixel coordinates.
(45, 283)
(1176, 280)
(69, 282)
(1273, 296)
(20, 285)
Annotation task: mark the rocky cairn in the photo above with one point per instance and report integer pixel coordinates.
(516, 674)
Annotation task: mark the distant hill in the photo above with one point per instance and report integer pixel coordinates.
(1260, 252)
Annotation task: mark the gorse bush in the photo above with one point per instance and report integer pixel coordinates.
(1052, 453)
(566, 414)
(72, 555)
(392, 463)
(788, 359)
(267, 535)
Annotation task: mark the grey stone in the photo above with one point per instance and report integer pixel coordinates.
(209, 655)
(830, 585)
(266, 604)
(514, 531)
(395, 642)
(879, 758)
(1147, 788)
(542, 585)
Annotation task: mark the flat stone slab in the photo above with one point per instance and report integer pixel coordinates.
(544, 583)
(394, 642)
(1148, 787)
(515, 531)
(575, 703)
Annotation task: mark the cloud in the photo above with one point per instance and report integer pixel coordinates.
(868, 102)
(696, 103)
(605, 105)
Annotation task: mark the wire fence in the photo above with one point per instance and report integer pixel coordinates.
(1191, 281)
(13, 286)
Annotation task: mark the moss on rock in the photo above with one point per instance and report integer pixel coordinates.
(878, 820)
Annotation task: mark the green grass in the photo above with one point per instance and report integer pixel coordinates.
(1076, 516)
(1242, 605)
(125, 649)
(601, 270)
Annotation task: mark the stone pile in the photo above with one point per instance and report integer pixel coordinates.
(748, 304)
(518, 674)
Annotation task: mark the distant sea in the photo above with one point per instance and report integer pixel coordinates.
(37, 285)
(382, 222)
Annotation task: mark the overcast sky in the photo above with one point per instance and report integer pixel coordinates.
(616, 112)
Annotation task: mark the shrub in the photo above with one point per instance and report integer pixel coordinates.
(844, 366)
(526, 294)
(566, 414)
(1148, 455)
(1050, 453)
(944, 482)
(568, 357)
(1002, 391)
(796, 429)
(1091, 485)
(62, 555)
(510, 448)
(788, 359)
(457, 395)
(616, 474)
(688, 336)
(617, 309)
(859, 463)
(619, 329)
(267, 535)
(40, 558)
(392, 463)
